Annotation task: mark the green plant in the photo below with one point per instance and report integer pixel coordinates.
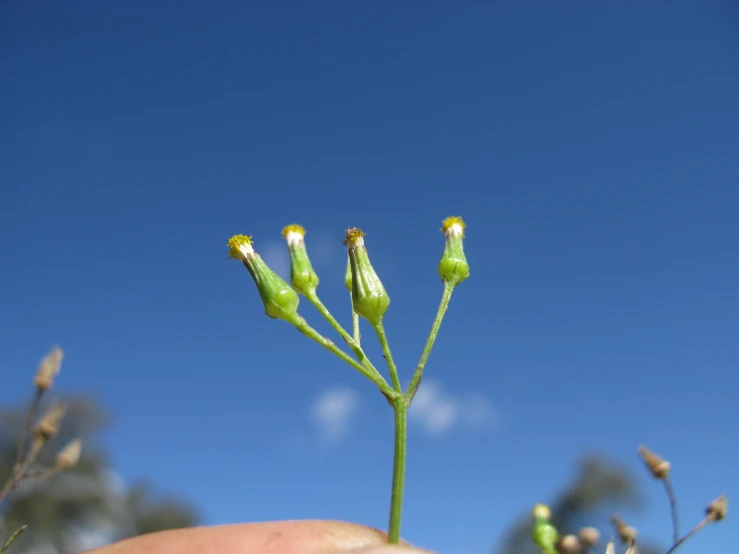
(546, 536)
(370, 300)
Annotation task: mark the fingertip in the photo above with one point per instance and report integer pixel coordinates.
(386, 549)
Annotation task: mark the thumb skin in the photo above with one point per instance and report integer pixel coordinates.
(274, 537)
(386, 549)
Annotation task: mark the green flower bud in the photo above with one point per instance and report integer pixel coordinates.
(348, 274)
(280, 301)
(302, 276)
(545, 536)
(369, 297)
(453, 267)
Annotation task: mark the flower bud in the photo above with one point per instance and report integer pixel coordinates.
(626, 533)
(48, 370)
(545, 536)
(369, 297)
(589, 536)
(541, 511)
(48, 426)
(280, 300)
(658, 467)
(302, 276)
(569, 545)
(69, 456)
(716, 510)
(453, 267)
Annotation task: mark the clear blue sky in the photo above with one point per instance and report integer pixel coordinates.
(592, 147)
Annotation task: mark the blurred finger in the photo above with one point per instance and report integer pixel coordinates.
(278, 537)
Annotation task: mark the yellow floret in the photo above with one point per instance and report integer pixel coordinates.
(454, 225)
(240, 246)
(295, 228)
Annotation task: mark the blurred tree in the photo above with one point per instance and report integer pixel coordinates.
(599, 489)
(82, 508)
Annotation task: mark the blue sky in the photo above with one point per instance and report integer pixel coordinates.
(592, 149)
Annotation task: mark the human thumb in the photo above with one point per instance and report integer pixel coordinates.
(386, 549)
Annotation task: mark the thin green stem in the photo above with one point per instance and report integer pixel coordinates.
(14, 536)
(418, 375)
(380, 330)
(373, 376)
(396, 502)
(353, 344)
(355, 325)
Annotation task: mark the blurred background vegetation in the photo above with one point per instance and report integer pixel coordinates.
(598, 489)
(72, 511)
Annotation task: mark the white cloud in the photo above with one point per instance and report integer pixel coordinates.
(333, 412)
(438, 410)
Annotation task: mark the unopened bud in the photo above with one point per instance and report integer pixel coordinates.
(716, 510)
(369, 297)
(569, 545)
(453, 267)
(610, 547)
(626, 533)
(658, 467)
(545, 536)
(302, 276)
(280, 300)
(69, 456)
(48, 369)
(48, 426)
(589, 536)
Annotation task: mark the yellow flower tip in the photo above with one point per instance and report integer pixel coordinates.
(453, 226)
(293, 233)
(354, 237)
(240, 246)
(294, 228)
(541, 511)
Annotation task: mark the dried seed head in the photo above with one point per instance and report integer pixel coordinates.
(569, 545)
(48, 369)
(716, 510)
(48, 425)
(589, 536)
(69, 456)
(626, 533)
(279, 299)
(303, 277)
(453, 266)
(658, 467)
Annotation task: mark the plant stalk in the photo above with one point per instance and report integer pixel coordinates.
(418, 375)
(380, 329)
(396, 503)
(373, 376)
